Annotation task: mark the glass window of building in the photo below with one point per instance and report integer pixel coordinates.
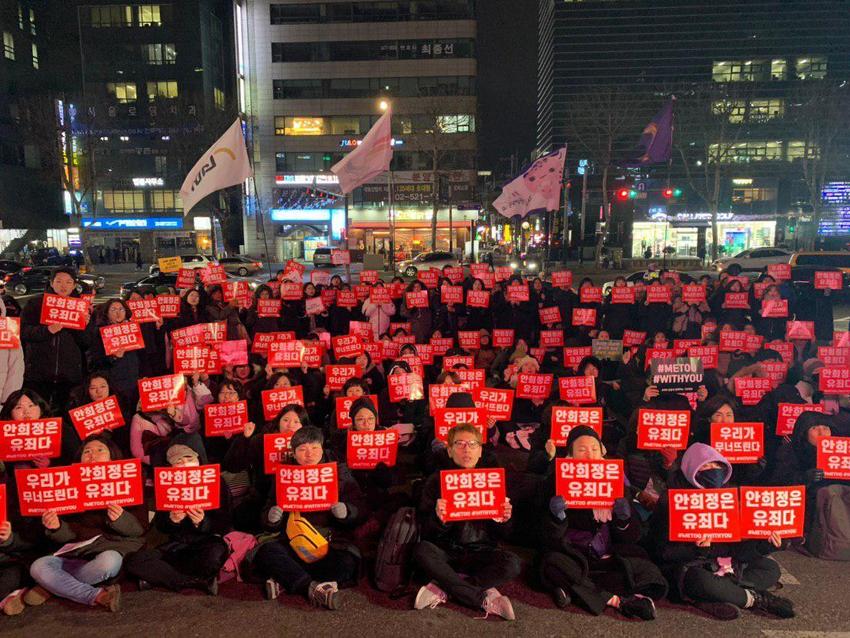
(299, 126)
(149, 15)
(8, 46)
(160, 165)
(740, 71)
(32, 22)
(123, 92)
(20, 16)
(159, 53)
(346, 125)
(743, 152)
(166, 89)
(111, 16)
(778, 69)
(34, 56)
(124, 201)
(456, 123)
(811, 68)
(165, 200)
(799, 149)
(218, 96)
(750, 195)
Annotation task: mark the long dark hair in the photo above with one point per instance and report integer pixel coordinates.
(272, 425)
(12, 401)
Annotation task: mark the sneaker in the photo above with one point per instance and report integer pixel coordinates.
(324, 595)
(429, 596)
(637, 606)
(110, 597)
(272, 589)
(36, 596)
(773, 605)
(561, 598)
(496, 603)
(719, 611)
(13, 604)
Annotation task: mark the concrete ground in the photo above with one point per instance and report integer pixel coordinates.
(818, 589)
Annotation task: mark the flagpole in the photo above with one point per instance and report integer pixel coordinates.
(390, 182)
(259, 216)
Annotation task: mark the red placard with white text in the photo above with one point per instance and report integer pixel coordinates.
(340, 257)
(478, 299)
(346, 298)
(199, 334)
(221, 419)
(503, 337)
(96, 417)
(122, 336)
(834, 380)
(633, 338)
(268, 307)
(498, 403)
(320, 278)
(776, 371)
(788, 413)
(732, 340)
(110, 483)
(658, 294)
(262, 340)
(451, 294)
(144, 310)
(168, 306)
(68, 312)
(551, 339)
(622, 295)
(550, 316)
(365, 450)
(833, 457)
(185, 279)
(779, 272)
(785, 350)
(275, 450)
(534, 385)
(738, 442)
(826, 280)
(471, 378)
(48, 489)
(752, 389)
(343, 407)
(429, 278)
(28, 440)
(469, 339)
(562, 279)
(693, 294)
(475, 494)
(589, 483)
(663, 429)
(704, 513)
(517, 293)
(276, 399)
(566, 417)
(336, 375)
(197, 360)
(833, 357)
(590, 294)
(158, 393)
(10, 333)
(4, 516)
(285, 354)
(804, 330)
(178, 489)
(773, 509)
(405, 387)
(380, 295)
(347, 346)
(439, 393)
(577, 390)
(238, 291)
(453, 273)
(774, 308)
(584, 317)
(736, 301)
(417, 299)
(458, 360)
(213, 274)
(307, 488)
(708, 354)
(447, 418)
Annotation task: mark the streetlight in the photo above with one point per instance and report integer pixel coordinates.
(384, 105)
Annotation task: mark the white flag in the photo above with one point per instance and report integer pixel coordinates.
(537, 189)
(371, 157)
(224, 164)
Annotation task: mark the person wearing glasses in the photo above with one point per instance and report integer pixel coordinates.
(469, 547)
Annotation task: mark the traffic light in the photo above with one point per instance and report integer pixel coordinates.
(625, 193)
(671, 192)
(667, 192)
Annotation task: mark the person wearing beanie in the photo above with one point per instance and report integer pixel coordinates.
(195, 551)
(592, 556)
(720, 579)
(333, 565)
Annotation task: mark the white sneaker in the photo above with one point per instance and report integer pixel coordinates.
(429, 596)
(496, 603)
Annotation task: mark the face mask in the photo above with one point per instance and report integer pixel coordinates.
(711, 478)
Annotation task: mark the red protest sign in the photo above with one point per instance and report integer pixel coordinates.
(736, 301)
(550, 316)
(449, 363)
(451, 294)
(178, 489)
(663, 429)
(236, 291)
(291, 291)
(471, 378)
(658, 353)
(268, 307)
(320, 278)
(314, 305)
(94, 418)
(787, 414)
(478, 299)
(168, 306)
(704, 513)
(124, 336)
(362, 291)
(213, 274)
(233, 353)
(622, 295)
(589, 483)
(346, 298)
(110, 483)
(144, 310)
(680, 346)
(475, 494)
(562, 279)
(375, 350)
(197, 360)
(340, 257)
(693, 294)
(328, 296)
(347, 346)
(833, 457)
(185, 278)
(307, 488)
(429, 278)
(503, 337)
(659, 294)
(380, 295)
(779, 271)
(453, 273)
(785, 350)
(369, 276)
(343, 409)
(48, 489)
(776, 371)
(708, 354)
(633, 338)
(439, 393)
(405, 387)
(447, 418)
(833, 357)
(841, 338)
(834, 380)
(503, 273)
(496, 402)
(774, 308)
(738, 442)
(517, 293)
(27, 440)
(751, 389)
(275, 400)
(732, 340)
(263, 340)
(10, 333)
(773, 509)
(534, 386)
(68, 312)
(590, 294)
(158, 393)
(294, 270)
(275, 450)
(199, 334)
(760, 287)
(441, 345)
(577, 390)
(418, 299)
(469, 339)
(804, 330)
(566, 417)
(827, 280)
(221, 419)
(365, 450)
(285, 354)
(337, 375)
(584, 317)
(551, 338)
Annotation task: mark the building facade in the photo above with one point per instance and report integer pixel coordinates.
(313, 76)
(752, 67)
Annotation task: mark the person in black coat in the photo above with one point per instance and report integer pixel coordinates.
(122, 366)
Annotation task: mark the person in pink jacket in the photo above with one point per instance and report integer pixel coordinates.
(378, 314)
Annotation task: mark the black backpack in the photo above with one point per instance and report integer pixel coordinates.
(393, 561)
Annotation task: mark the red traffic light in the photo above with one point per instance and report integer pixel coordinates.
(668, 193)
(623, 194)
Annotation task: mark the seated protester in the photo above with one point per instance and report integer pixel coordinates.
(317, 572)
(352, 388)
(96, 387)
(228, 391)
(405, 411)
(254, 323)
(251, 376)
(372, 374)
(717, 578)
(618, 317)
(592, 554)
(470, 547)
(114, 533)
(152, 433)
(770, 327)
(11, 360)
(195, 550)
(526, 414)
(485, 356)
(437, 454)
(477, 318)
(15, 546)
(26, 405)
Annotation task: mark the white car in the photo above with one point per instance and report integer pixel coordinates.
(190, 262)
(425, 261)
(753, 259)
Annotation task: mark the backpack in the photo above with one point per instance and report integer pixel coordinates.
(240, 545)
(392, 563)
(829, 537)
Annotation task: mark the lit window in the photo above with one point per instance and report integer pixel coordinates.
(166, 89)
(740, 71)
(124, 201)
(32, 22)
(34, 56)
(744, 152)
(149, 15)
(159, 53)
(218, 96)
(456, 123)
(798, 149)
(112, 16)
(8, 46)
(813, 68)
(20, 16)
(299, 126)
(123, 92)
(778, 69)
(750, 195)
(753, 111)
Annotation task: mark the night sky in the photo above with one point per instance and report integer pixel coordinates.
(507, 80)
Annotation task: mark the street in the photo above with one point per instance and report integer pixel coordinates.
(816, 587)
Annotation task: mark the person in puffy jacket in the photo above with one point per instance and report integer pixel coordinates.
(11, 366)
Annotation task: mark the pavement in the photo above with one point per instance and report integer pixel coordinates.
(818, 589)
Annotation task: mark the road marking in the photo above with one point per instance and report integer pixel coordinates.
(780, 633)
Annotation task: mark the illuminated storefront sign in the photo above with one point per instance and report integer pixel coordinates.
(133, 223)
(306, 180)
(351, 142)
(306, 126)
(334, 216)
(142, 182)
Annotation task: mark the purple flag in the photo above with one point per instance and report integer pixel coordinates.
(656, 143)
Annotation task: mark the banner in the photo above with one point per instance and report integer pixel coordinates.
(589, 483)
(833, 457)
(773, 509)
(336, 375)
(221, 419)
(676, 376)
(738, 442)
(110, 483)
(534, 386)
(307, 488)
(96, 417)
(28, 440)
(178, 489)
(577, 390)
(708, 513)
(497, 403)
(565, 417)
(476, 494)
(158, 393)
(447, 418)
(68, 312)
(124, 336)
(663, 429)
(365, 450)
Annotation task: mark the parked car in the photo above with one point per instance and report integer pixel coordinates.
(189, 261)
(31, 280)
(240, 265)
(7, 266)
(752, 259)
(322, 257)
(640, 275)
(824, 260)
(151, 281)
(424, 261)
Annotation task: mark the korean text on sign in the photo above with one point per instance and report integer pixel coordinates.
(589, 483)
(366, 450)
(178, 489)
(476, 494)
(708, 513)
(307, 488)
(663, 429)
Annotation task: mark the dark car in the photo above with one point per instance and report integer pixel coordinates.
(240, 265)
(151, 281)
(8, 266)
(31, 280)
